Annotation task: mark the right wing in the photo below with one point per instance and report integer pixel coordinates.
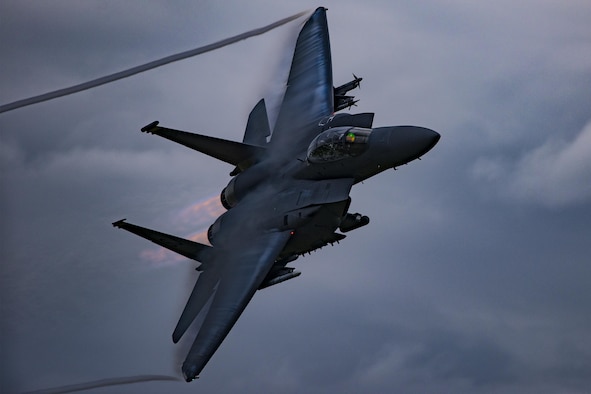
(242, 270)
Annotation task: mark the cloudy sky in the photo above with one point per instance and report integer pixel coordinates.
(473, 276)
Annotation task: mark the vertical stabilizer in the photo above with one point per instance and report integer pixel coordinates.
(257, 128)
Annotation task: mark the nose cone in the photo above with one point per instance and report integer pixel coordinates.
(423, 139)
(407, 143)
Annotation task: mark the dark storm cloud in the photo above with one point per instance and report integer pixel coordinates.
(550, 174)
(472, 276)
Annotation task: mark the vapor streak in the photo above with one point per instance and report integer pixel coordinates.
(104, 383)
(145, 67)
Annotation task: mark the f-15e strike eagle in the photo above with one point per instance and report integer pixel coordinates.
(289, 193)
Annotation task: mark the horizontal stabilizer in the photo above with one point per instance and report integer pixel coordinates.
(236, 153)
(184, 247)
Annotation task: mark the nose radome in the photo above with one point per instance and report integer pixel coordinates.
(412, 142)
(428, 137)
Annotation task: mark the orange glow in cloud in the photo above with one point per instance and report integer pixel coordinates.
(199, 215)
(200, 237)
(202, 212)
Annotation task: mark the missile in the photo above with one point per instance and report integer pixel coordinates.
(342, 102)
(341, 90)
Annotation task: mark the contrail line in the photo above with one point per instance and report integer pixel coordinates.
(104, 383)
(145, 67)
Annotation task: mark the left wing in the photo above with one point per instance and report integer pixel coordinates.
(309, 95)
(243, 267)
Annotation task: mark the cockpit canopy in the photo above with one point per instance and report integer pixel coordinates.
(338, 143)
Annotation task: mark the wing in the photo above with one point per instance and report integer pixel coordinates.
(309, 95)
(242, 270)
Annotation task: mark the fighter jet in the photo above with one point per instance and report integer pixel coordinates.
(289, 191)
